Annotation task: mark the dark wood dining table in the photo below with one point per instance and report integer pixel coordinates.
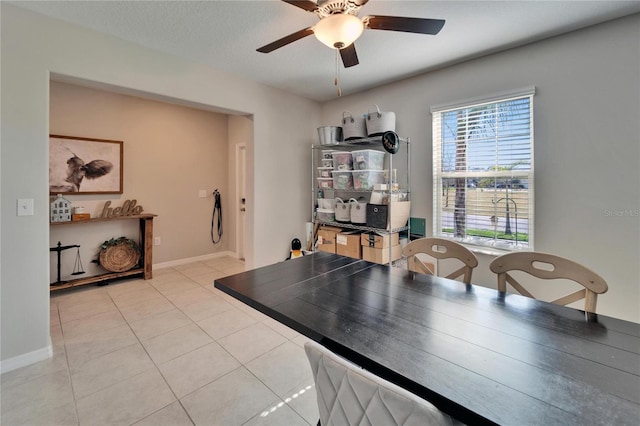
(482, 356)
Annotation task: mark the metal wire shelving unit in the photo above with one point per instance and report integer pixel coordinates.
(364, 143)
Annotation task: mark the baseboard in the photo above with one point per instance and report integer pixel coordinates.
(179, 262)
(26, 359)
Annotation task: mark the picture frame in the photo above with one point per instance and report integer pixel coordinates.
(79, 165)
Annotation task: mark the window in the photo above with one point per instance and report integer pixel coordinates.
(483, 171)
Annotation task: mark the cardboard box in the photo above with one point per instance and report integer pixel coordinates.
(348, 244)
(379, 241)
(80, 216)
(327, 238)
(381, 255)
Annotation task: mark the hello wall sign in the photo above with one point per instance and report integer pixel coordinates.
(129, 208)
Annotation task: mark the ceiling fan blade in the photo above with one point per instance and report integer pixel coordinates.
(407, 25)
(285, 40)
(349, 56)
(309, 6)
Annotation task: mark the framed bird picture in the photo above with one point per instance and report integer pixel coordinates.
(84, 165)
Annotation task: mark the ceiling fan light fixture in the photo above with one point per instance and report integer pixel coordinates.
(339, 30)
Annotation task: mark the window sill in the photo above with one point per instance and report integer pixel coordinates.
(470, 244)
(492, 251)
(489, 251)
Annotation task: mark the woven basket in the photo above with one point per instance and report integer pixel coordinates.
(120, 258)
(353, 127)
(379, 122)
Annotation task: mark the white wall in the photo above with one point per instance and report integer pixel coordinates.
(587, 149)
(170, 152)
(33, 47)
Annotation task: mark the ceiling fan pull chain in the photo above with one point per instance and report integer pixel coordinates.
(336, 81)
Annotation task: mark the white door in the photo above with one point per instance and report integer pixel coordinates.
(241, 198)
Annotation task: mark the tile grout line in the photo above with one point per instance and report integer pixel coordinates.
(156, 367)
(66, 357)
(108, 353)
(207, 334)
(107, 293)
(241, 364)
(121, 381)
(272, 390)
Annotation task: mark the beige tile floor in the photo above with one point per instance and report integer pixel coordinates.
(172, 350)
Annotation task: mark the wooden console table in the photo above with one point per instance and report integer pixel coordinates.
(146, 245)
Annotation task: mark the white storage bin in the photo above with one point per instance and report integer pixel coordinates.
(326, 203)
(326, 154)
(342, 160)
(342, 179)
(366, 179)
(324, 172)
(327, 162)
(325, 182)
(325, 215)
(368, 159)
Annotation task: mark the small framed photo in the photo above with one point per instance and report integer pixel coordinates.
(84, 165)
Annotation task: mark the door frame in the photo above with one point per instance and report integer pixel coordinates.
(240, 178)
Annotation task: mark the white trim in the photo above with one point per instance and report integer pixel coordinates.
(26, 359)
(491, 251)
(500, 96)
(486, 250)
(241, 148)
(490, 248)
(476, 174)
(179, 262)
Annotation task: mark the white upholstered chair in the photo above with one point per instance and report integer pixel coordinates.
(349, 395)
(439, 248)
(548, 267)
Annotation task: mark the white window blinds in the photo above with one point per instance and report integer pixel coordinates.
(483, 171)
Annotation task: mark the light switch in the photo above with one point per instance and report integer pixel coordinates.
(202, 193)
(25, 207)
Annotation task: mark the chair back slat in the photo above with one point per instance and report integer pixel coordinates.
(440, 248)
(417, 265)
(462, 271)
(451, 250)
(570, 298)
(519, 287)
(549, 267)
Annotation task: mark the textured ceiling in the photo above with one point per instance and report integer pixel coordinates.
(226, 35)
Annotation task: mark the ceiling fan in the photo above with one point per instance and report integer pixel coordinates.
(339, 26)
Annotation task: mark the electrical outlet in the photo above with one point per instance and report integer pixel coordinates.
(156, 241)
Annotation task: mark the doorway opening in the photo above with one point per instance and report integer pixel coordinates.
(241, 198)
